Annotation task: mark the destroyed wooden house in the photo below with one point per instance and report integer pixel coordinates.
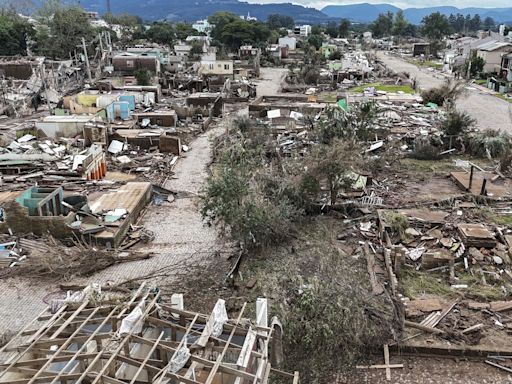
(103, 218)
(97, 339)
(261, 106)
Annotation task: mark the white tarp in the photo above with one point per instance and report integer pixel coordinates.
(134, 321)
(273, 114)
(115, 146)
(179, 359)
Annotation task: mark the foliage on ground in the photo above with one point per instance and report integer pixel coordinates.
(322, 295)
(491, 142)
(256, 196)
(457, 123)
(446, 93)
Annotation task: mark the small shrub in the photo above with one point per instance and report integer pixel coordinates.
(311, 77)
(424, 150)
(457, 123)
(143, 77)
(490, 142)
(448, 92)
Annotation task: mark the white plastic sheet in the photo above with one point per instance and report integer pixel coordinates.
(134, 321)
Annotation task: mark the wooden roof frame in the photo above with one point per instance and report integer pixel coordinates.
(83, 340)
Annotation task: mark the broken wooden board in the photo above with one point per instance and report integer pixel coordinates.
(493, 190)
(476, 235)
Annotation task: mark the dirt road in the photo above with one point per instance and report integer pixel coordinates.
(489, 111)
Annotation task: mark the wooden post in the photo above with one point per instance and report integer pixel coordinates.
(471, 178)
(87, 61)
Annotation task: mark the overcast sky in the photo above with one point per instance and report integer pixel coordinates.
(399, 3)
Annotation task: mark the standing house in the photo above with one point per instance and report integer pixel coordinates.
(302, 30)
(182, 50)
(420, 49)
(506, 67)
(216, 68)
(202, 26)
(128, 63)
(247, 52)
(492, 53)
(288, 41)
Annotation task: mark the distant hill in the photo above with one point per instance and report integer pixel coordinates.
(199, 9)
(363, 12)
(366, 13)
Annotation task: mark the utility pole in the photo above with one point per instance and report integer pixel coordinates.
(108, 7)
(87, 61)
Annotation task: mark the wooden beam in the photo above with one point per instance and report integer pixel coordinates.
(155, 345)
(65, 344)
(220, 358)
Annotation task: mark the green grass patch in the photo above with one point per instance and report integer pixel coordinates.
(329, 97)
(415, 284)
(503, 97)
(489, 215)
(428, 166)
(480, 81)
(384, 87)
(426, 63)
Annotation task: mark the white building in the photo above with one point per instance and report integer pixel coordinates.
(288, 41)
(202, 26)
(302, 30)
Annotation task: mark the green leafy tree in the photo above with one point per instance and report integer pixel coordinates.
(316, 41)
(332, 29)
(220, 20)
(344, 28)
(14, 33)
(316, 30)
(197, 50)
(183, 30)
(475, 65)
(132, 27)
(143, 76)
(475, 23)
(489, 23)
(62, 31)
(239, 32)
(161, 33)
(400, 24)
(435, 27)
(383, 26)
(277, 21)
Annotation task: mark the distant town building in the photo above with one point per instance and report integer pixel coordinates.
(288, 41)
(202, 26)
(302, 30)
(248, 17)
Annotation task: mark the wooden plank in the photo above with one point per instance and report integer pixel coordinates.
(65, 344)
(218, 362)
(149, 309)
(148, 356)
(386, 362)
(100, 352)
(425, 328)
(507, 369)
(377, 287)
